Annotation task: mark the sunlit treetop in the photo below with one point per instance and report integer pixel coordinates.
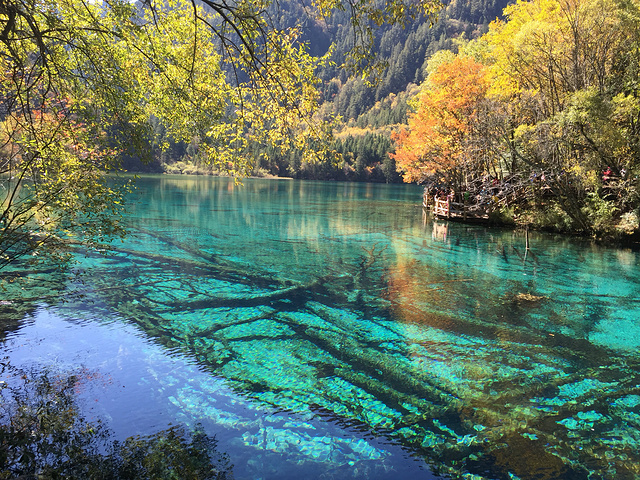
(445, 109)
(557, 47)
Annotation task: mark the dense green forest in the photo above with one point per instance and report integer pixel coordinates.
(529, 111)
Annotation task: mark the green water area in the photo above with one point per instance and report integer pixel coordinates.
(332, 330)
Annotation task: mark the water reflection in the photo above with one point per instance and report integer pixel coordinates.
(439, 231)
(138, 388)
(344, 301)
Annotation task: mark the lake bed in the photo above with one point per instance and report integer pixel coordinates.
(334, 330)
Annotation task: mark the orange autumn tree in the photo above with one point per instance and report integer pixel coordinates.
(436, 142)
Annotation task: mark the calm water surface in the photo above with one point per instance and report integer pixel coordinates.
(331, 330)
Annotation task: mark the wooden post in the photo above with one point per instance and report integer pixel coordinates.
(526, 238)
(448, 207)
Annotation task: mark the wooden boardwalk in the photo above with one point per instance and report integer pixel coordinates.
(453, 210)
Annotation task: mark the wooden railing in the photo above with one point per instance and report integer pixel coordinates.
(448, 209)
(442, 207)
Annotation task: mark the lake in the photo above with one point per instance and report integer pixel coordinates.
(333, 330)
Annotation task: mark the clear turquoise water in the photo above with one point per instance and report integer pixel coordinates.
(330, 330)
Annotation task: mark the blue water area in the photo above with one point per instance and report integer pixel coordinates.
(332, 330)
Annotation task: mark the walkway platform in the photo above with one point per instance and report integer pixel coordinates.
(454, 210)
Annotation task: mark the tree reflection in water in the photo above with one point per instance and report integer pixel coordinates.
(44, 435)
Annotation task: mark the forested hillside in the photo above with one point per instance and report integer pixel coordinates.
(366, 108)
